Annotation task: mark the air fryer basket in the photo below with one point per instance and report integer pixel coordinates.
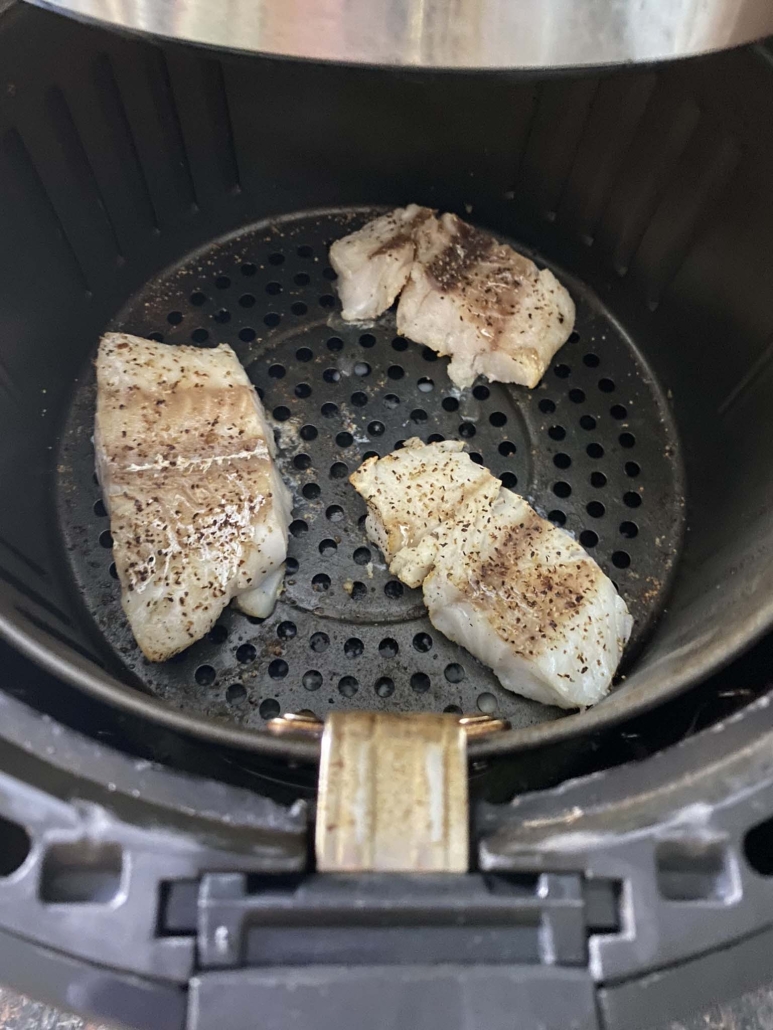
(170, 193)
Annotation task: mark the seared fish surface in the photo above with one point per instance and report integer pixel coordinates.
(373, 263)
(519, 594)
(198, 511)
(488, 308)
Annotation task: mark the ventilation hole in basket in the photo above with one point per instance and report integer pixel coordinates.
(454, 673)
(452, 710)
(618, 411)
(106, 539)
(205, 675)
(562, 371)
(302, 279)
(507, 449)
(308, 432)
(399, 444)
(304, 354)
(595, 509)
(632, 469)
(362, 368)
(376, 428)
(562, 461)
(281, 414)
(631, 499)
(269, 709)
(562, 489)
(330, 273)
(329, 410)
(627, 440)
(629, 530)
(399, 343)
(254, 620)
(621, 559)
(344, 439)
(312, 679)
(388, 648)
(353, 647)
(331, 375)
(391, 401)
(422, 642)
(311, 491)
(235, 693)
(359, 400)
(588, 538)
(302, 390)
(339, 470)
(480, 392)
(598, 479)
(591, 360)
(246, 653)
(419, 415)
(395, 372)
(450, 404)
(222, 282)
(286, 630)
(467, 430)
(222, 316)
(509, 479)
(247, 335)
(319, 642)
(556, 432)
(487, 703)
(546, 406)
(327, 547)
(298, 308)
(272, 289)
(477, 458)
(594, 450)
(393, 589)
(428, 354)
(276, 259)
(291, 565)
(218, 634)
(113, 571)
(320, 583)
(272, 319)
(420, 682)
(348, 686)
(298, 527)
(200, 335)
(335, 343)
(99, 509)
(425, 385)
(302, 462)
(249, 269)
(385, 687)
(588, 422)
(335, 513)
(305, 251)
(278, 669)
(367, 340)
(358, 591)
(606, 385)
(557, 517)
(197, 298)
(362, 556)
(497, 419)
(158, 337)
(174, 317)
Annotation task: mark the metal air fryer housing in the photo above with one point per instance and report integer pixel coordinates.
(155, 863)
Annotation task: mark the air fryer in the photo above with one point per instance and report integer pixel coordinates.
(190, 195)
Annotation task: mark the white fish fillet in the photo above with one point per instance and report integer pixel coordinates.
(521, 595)
(198, 511)
(414, 492)
(373, 263)
(481, 303)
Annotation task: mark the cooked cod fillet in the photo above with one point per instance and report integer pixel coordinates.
(521, 595)
(198, 511)
(415, 491)
(481, 303)
(373, 263)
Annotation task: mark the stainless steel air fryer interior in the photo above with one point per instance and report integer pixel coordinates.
(180, 194)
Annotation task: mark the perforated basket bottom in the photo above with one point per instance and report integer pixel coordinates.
(592, 448)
